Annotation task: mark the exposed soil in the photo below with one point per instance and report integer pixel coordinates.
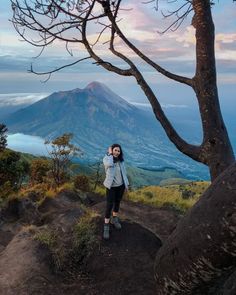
(159, 221)
(123, 265)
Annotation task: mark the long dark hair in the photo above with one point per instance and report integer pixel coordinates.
(121, 157)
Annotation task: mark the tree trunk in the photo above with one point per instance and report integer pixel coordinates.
(216, 149)
(202, 248)
(228, 287)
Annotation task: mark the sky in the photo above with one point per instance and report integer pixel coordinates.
(173, 50)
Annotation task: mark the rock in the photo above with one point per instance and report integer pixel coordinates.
(202, 249)
(19, 264)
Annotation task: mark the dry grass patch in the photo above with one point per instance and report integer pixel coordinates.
(180, 197)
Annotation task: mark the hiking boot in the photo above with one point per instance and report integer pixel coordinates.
(115, 221)
(106, 232)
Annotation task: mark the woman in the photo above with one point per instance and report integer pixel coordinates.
(116, 182)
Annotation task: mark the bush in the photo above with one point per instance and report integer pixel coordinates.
(85, 239)
(187, 194)
(68, 251)
(5, 191)
(81, 182)
(13, 170)
(46, 238)
(39, 169)
(61, 152)
(49, 239)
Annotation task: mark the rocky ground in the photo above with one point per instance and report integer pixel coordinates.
(122, 265)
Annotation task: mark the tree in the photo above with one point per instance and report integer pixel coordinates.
(195, 255)
(61, 151)
(39, 169)
(3, 137)
(200, 255)
(71, 21)
(97, 175)
(13, 170)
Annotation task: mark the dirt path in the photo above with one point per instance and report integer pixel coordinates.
(159, 221)
(122, 265)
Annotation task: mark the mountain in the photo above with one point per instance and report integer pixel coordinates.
(98, 117)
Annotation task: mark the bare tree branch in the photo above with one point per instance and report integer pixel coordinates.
(71, 21)
(161, 70)
(59, 68)
(100, 61)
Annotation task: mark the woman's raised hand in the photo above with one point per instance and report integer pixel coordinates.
(110, 150)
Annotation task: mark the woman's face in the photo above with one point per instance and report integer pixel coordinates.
(116, 152)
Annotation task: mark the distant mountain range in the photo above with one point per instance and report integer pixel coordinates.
(98, 117)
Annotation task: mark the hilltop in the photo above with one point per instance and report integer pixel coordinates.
(62, 252)
(44, 234)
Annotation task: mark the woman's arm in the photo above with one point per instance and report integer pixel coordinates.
(108, 161)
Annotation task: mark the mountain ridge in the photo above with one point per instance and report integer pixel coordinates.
(98, 117)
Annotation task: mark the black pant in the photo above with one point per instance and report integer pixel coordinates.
(114, 196)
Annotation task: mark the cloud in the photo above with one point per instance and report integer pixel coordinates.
(226, 38)
(165, 106)
(14, 99)
(171, 106)
(137, 17)
(187, 38)
(173, 50)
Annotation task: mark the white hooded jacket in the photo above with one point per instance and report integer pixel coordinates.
(110, 171)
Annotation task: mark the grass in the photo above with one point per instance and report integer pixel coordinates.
(43, 190)
(85, 239)
(68, 251)
(101, 190)
(180, 197)
(46, 237)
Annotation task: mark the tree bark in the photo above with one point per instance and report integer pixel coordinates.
(202, 248)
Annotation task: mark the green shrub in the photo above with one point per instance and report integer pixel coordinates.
(85, 239)
(39, 169)
(186, 194)
(69, 250)
(5, 191)
(12, 168)
(49, 239)
(46, 237)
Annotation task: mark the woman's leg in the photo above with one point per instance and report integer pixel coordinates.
(109, 206)
(110, 195)
(118, 197)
